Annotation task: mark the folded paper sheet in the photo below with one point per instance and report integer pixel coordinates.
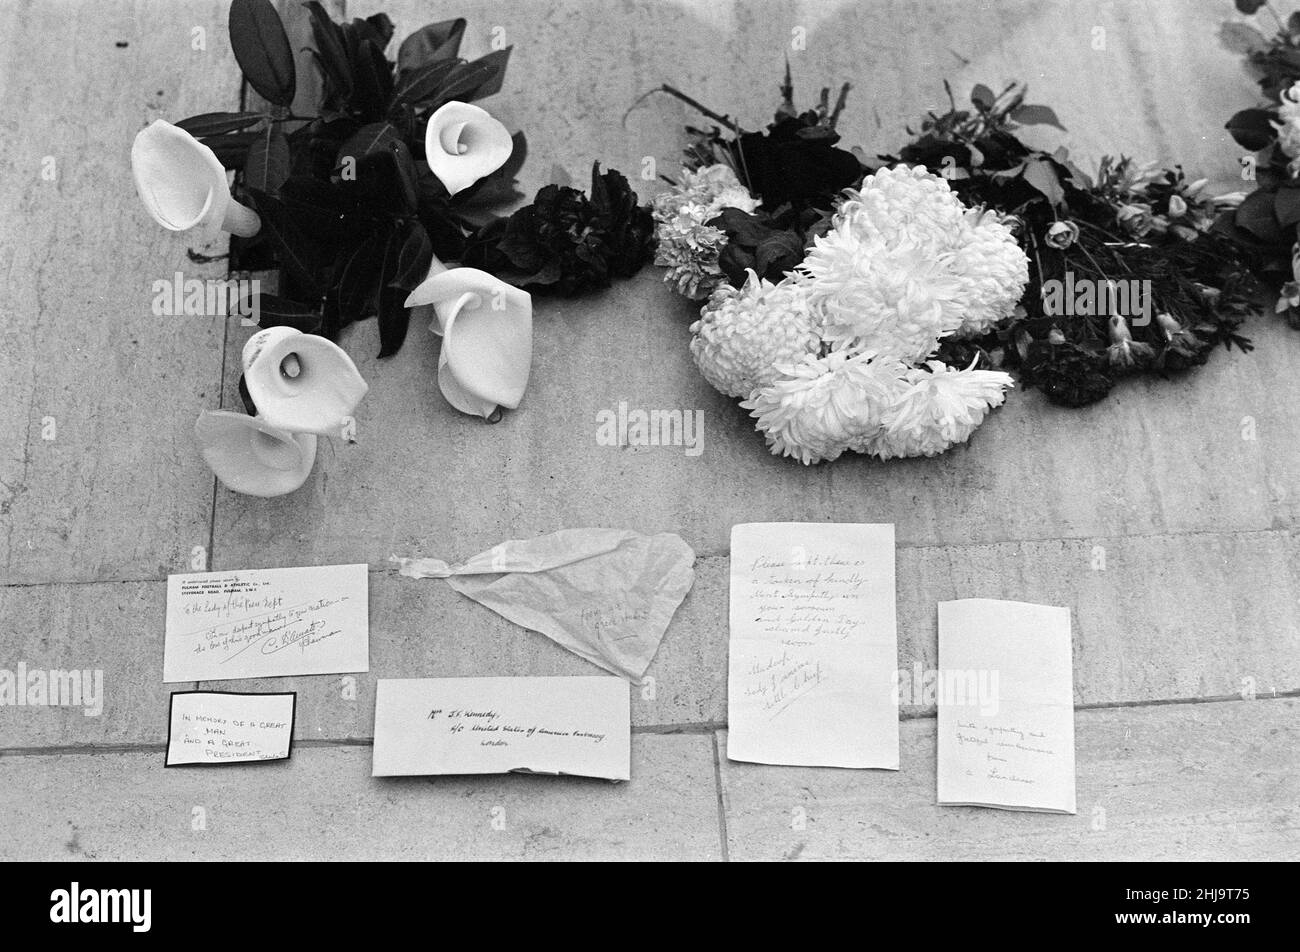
(1006, 706)
(605, 594)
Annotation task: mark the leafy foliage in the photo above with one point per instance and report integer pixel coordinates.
(352, 215)
(1130, 223)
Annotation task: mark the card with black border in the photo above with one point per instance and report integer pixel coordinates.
(215, 728)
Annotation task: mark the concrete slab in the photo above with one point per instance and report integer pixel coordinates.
(1184, 782)
(323, 804)
(98, 475)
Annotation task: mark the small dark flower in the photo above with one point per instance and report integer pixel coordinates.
(566, 243)
(795, 162)
(1067, 374)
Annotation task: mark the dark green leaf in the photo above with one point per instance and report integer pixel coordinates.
(331, 54)
(262, 50)
(431, 43)
(1252, 129)
(1031, 115)
(299, 255)
(420, 85)
(1287, 206)
(413, 260)
(394, 319)
(267, 165)
(1249, 6)
(375, 137)
(231, 149)
(490, 87)
(1041, 174)
(463, 84)
(983, 97)
(218, 123)
(1256, 215)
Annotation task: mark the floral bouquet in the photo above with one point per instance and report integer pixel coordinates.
(966, 255)
(837, 355)
(357, 206)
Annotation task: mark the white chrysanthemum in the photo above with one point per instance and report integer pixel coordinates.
(1288, 121)
(687, 246)
(744, 337)
(715, 187)
(822, 406)
(937, 408)
(905, 263)
(689, 249)
(994, 271)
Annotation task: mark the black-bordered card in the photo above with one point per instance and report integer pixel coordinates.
(211, 728)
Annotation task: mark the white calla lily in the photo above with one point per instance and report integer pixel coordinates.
(486, 327)
(251, 457)
(300, 382)
(463, 143)
(183, 184)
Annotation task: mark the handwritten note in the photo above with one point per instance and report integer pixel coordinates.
(814, 645)
(1009, 745)
(218, 727)
(267, 623)
(579, 726)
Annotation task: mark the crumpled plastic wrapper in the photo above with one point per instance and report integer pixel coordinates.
(605, 594)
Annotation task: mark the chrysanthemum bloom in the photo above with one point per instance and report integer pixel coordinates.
(905, 263)
(744, 336)
(822, 406)
(687, 246)
(938, 408)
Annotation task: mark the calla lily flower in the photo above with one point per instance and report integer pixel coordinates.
(183, 184)
(486, 327)
(301, 383)
(463, 143)
(251, 457)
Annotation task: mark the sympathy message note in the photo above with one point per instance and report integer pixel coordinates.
(580, 726)
(1016, 750)
(814, 645)
(267, 623)
(217, 727)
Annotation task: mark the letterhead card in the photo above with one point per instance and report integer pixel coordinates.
(228, 727)
(265, 623)
(814, 645)
(1009, 745)
(556, 725)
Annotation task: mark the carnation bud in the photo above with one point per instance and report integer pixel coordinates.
(1169, 324)
(1062, 234)
(1177, 207)
(1055, 337)
(1119, 332)
(1137, 218)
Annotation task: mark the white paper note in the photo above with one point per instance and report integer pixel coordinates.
(814, 645)
(221, 727)
(1011, 744)
(265, 623)
(580, 726)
